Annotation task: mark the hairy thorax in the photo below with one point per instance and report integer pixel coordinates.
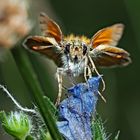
(71, 68)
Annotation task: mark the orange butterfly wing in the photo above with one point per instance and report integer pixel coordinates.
(50, 28)
(110, 35)
(104, 52)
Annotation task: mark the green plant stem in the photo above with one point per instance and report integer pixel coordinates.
(44, 79)
(31, 80)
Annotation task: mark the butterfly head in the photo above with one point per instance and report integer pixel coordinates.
(75, 50)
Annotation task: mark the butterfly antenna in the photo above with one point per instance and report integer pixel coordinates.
(94, 68)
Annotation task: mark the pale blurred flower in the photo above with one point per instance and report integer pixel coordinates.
(14, 22)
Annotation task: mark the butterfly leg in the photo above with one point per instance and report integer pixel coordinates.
(94, 68)
(103, 98)
(59, 79)
(85, 68)
(89, 72)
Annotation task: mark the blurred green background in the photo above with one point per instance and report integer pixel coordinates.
(85, 17)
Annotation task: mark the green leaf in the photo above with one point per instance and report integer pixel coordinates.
(45, 135)
(98, 130)
(51, 106)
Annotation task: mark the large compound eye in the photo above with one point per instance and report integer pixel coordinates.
(84, 49)
(67, 48)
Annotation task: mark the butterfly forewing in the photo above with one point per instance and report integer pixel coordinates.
(110, 35)
(50, 28)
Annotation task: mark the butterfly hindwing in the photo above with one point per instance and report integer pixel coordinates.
(107, 56)
(44, 45)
